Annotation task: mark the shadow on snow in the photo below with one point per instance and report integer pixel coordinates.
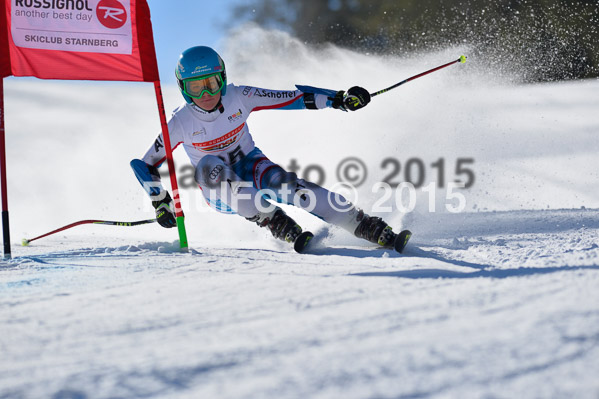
(493, 273)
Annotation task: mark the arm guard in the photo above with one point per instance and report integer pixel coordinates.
(316, 97)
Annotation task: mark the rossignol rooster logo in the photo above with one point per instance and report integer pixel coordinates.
(111, 13)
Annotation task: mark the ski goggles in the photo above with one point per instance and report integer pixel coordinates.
(197, 87)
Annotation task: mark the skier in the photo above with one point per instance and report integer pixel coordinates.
(234, 175)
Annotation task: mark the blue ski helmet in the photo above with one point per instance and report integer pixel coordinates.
(197, 63)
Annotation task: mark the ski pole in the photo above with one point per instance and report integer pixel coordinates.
(25, 242)
(462, 59)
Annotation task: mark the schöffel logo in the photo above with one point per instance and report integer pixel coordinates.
(111, 13)
(273, 93)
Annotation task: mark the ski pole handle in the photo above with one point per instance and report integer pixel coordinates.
(462, 60)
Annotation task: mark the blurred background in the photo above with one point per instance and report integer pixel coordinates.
(546, 40)
(542, 40)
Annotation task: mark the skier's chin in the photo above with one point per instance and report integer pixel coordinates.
(209, 104)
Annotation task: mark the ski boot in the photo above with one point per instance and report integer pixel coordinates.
(284, 228)
(375, 230)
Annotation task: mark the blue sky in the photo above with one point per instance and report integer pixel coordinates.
(180, 24)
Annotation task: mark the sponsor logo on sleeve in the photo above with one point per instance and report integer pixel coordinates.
(247, 90)
(273, 93)
(158, 144)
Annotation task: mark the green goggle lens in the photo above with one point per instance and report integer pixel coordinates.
(197, 87)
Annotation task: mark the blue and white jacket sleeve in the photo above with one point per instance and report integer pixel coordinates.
(305, 97)
(146, 169)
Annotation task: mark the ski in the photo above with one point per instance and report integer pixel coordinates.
(302, 241)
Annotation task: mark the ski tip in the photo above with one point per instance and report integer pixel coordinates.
(25, 242)
(302, 241)
(402, 240)
(462, 59)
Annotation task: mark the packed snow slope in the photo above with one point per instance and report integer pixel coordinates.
(498, 299)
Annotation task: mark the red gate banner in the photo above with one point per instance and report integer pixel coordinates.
(77, 40)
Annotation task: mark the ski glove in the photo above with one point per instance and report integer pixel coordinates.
(164, 212)
(355, 98)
